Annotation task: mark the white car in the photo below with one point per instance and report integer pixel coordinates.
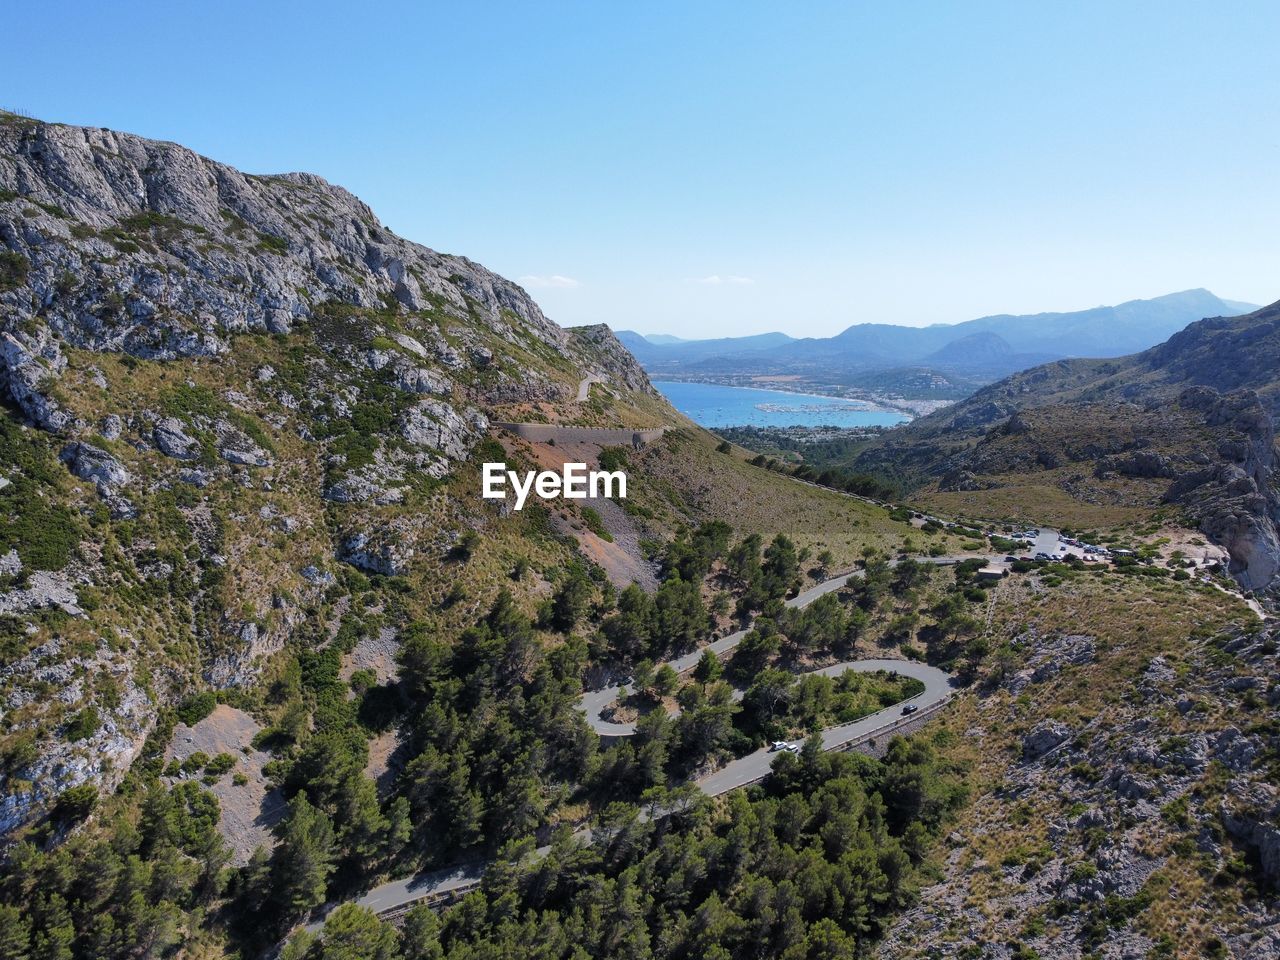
(792, 748)
(779, 745)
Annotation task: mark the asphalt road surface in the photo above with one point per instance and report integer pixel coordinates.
(756, 766)
(594, 702)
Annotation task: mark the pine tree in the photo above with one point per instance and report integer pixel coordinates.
(15, 934)
(353, 932)
(304, 858)
(708, 669)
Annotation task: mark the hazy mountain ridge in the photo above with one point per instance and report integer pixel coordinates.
(966, 349)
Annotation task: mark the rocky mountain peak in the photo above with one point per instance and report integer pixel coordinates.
(115, 243)
(150, 209)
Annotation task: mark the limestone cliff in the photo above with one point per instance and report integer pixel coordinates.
(229, 398)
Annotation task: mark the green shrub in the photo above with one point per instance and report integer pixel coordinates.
(362, 681)
(613, 458)
(591, 518)
(18, 752)
(273, 244)
(1083, 870)
(83, 725)
(13, 269)
(196, 707)
(219, 765)
(76, 803)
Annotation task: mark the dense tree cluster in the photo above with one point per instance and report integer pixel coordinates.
(126, 893)
(675, 618)
(828, 461)
(810, 865)
(497, 741)
(495, 750)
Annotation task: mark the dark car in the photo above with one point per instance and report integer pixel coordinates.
(909, 709)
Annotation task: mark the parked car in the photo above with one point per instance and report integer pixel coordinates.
(1043, 556)
(778, 745)
(909, 709)
(792, 748)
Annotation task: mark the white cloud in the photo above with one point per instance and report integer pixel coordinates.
(716, 280)
(555, 280)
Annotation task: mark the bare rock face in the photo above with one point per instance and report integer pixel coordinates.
(1249, 813)
(254, 253)
(1142, 463)
(1234, 497)
(367, 486)
(963, 480)
(91, 463)
(137, 246)
(434, 425)
(413, 379)
(43, 590)
(1043, 738)
(173, 441)
(612, 358)
(387, 558)
(28, 366)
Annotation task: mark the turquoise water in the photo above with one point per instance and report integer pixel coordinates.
(713, 405)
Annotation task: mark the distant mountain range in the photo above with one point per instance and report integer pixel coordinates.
(1189, 422)
(968, 354)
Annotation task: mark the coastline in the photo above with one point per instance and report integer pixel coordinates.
(867, 402)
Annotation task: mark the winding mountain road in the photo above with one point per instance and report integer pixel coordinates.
(393, 898)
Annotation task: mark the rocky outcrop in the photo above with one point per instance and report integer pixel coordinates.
(92, 463)
(173, 252)
(1143, 463)
(434, 425)
(1234, 498)
(1250, 814)
(28, 368)
(960, 480)
(385, 557)
(611, 358)
(42, 590)
(370, 485)
(1044, 737)
(171, 438)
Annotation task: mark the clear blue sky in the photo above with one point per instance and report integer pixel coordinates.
(714, 168)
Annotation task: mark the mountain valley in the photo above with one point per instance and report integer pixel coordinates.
(272, 666)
